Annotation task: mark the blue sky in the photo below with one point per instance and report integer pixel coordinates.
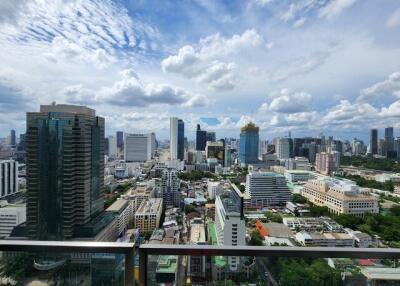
(305, 66)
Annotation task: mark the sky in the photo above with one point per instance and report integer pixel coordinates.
(305, 66)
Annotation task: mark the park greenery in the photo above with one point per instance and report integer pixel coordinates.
(307, 272)
(371, 163)
(190, 208)
(195, 175)
(362, 182)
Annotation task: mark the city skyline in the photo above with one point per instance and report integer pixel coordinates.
(285, 66)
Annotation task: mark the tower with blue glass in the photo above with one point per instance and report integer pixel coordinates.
(249, 140)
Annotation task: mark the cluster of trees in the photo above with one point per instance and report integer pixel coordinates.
(386, 226)
(112, 196)
(387, 186)
(195, 175)
(299, 199)
(256, 238)
(190, 208)
(273, 217)
(307, 272)
(371, 163)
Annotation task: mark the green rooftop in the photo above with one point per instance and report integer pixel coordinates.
(212, 232)
(167, 264)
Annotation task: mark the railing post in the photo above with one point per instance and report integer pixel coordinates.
(129, 256)
(142, 267)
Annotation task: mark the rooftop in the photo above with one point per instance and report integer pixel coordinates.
(167, 264)
(149, 206)
(197, 234)
(118, 206)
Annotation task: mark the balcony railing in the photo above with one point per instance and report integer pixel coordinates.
(145, 250)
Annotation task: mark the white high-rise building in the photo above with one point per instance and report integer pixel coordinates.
(283, 148)
(173, 138)
(112, 147)
(8, 177)
(229, 222)
(138, 147)
(264, 189)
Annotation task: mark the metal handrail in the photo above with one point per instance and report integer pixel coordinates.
(260, 251)
(128, 249)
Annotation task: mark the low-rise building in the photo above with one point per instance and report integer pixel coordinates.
(294, 176)
(10, 217)
(326, 239)
(275, 233)
(361, 239)
(197, 264)
(340, 196)
(147, 216)
(123, 211)
(312, 224)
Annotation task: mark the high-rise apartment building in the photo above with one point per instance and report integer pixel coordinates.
(106, 146)
(65, 170)
(139, 147)
(201, 139)
(120, 139)
(229, 222)
(373, 142)
(147, 216)
(8, 178)
(284, 148)
(325, 163)
(265, 189)
(177, 138)
(249, 141)
(170, 188)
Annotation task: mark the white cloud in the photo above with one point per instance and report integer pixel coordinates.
(298, 23)
(392, 110)
(207, 62)
(389, 87)
(334, 8)
(394, 19)
(287, 101)
(262, 3)
(130, 91)
(10, 9)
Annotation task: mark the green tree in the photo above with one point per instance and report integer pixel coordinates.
(256, 238)
(273, 217)
(299, 199)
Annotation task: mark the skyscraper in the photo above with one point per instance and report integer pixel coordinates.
(373, 142)
(284, 150)
(249, 141)
(389, 139)
(112, 147)
(13, 141)
(201, 139)
(138, 147)
(65, 170)
(177, 138)
(120, 139)
(211, 136)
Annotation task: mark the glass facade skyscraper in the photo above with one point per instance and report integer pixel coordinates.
(65, 170)
(249, 140)
(374, 141)
(181, 139)
(201, 139)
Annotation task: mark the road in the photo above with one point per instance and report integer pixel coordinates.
(260, 261)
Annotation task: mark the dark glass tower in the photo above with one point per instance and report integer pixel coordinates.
(65, 170)
(181, 139)
(389, 139)
(120, 139)
(249, 141)
(13, 141)
(374, 141)
(201, 139)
